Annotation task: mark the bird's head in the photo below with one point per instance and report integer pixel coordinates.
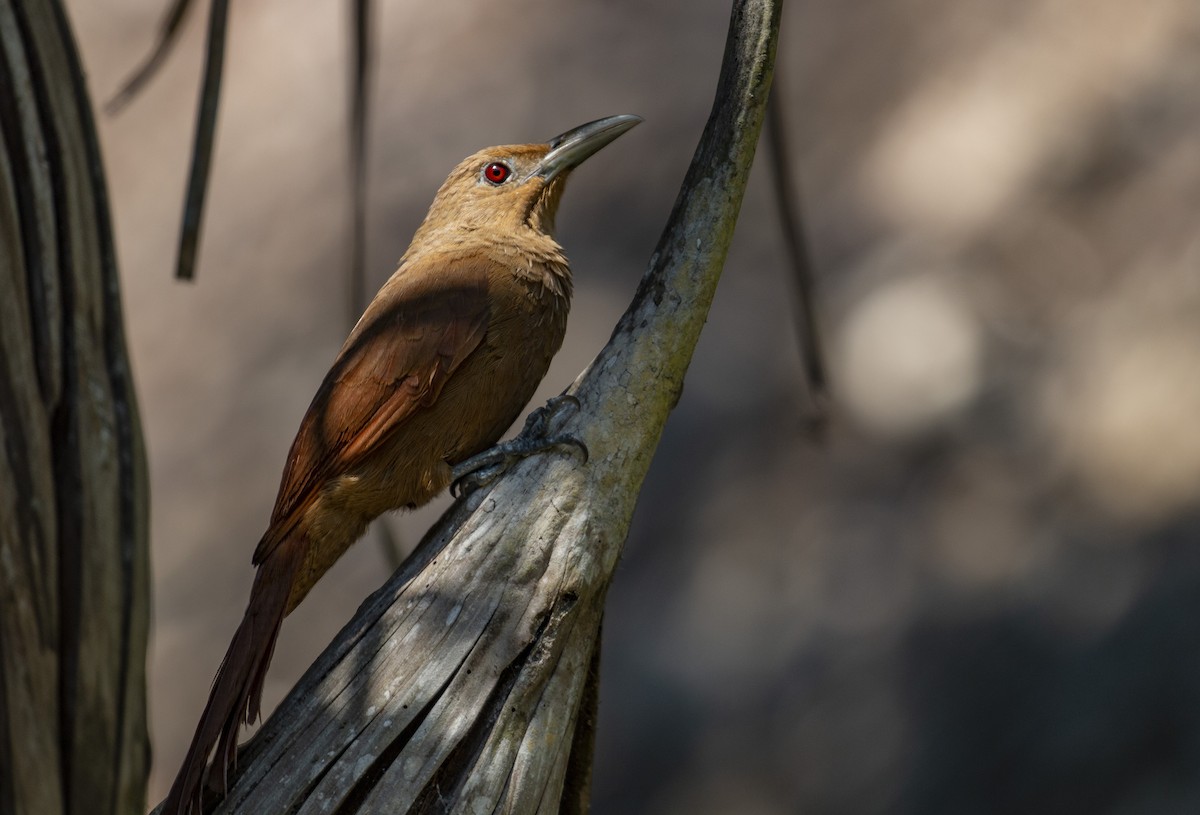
(517, 186)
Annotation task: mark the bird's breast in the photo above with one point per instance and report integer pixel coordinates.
(526, 325)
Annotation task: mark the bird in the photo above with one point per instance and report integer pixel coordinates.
(441, 363)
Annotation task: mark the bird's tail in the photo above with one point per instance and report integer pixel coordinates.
(236, 694)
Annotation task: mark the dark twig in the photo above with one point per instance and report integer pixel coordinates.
(791, 221)
(356, 300)
(168, 35)
(202, 147)
(359, 113)
(390, 542)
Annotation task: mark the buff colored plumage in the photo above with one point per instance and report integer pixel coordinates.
(442, 361)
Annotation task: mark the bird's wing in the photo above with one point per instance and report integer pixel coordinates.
(425, 321)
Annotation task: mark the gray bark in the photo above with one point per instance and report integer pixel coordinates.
(73, 532)
(460, 686)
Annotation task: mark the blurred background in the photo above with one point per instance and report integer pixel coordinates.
(981, 594)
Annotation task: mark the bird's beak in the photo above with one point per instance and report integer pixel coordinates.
(570, 149)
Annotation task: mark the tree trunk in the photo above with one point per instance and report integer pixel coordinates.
(463, 684)
(73, 543)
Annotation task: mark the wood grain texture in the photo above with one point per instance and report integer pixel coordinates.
(459, 685)
(73, 522)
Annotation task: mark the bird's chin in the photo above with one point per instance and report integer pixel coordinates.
(543, 205)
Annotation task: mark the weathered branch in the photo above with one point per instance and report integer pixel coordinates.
(458, 686)
(74, 581)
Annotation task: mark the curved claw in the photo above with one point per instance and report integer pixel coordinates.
(474, 479)
(566, 440)
(556, 402)
(537, 424)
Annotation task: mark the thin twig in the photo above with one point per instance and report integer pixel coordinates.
(202, 147)
(390, 542)
(168, 35)
(792, 223)
(359, 112)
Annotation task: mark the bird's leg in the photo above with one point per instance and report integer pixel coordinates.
(484, 468)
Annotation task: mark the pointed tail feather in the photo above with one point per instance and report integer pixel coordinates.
(236, 694)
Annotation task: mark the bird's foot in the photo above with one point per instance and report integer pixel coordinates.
(484, 468)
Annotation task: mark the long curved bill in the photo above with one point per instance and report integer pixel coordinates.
(572, 148)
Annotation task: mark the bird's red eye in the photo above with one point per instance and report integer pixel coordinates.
(496, 173)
